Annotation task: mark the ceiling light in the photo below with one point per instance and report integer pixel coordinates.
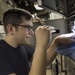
(37, 7)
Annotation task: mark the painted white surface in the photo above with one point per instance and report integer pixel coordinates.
(2, 29)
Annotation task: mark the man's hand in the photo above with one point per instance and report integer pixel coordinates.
(43, 35)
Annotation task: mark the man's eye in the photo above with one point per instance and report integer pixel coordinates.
(29, 27)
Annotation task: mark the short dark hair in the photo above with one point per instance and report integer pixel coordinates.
(15, 15)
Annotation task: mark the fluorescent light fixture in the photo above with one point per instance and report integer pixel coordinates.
(37, 7)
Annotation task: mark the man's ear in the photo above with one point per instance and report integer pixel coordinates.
(10, 29)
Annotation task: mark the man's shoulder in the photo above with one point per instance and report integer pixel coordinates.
(3, 47)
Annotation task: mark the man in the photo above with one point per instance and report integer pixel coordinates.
(14, 60)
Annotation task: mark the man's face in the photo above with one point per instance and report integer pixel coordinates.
(23, 34)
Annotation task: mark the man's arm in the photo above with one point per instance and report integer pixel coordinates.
(40, 55)
(51, 53)
(61, 39)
